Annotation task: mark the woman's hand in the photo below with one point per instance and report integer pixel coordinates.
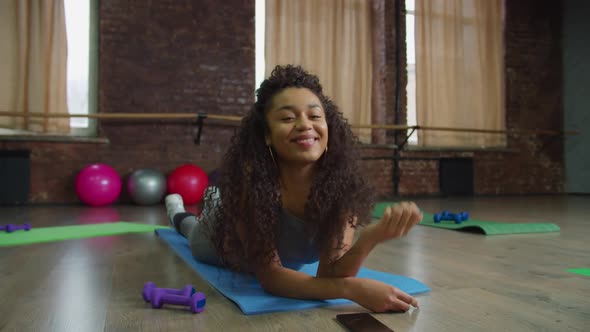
(380, 297)
(397, 221)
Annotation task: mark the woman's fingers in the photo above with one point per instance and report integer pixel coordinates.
(405, 221)
(414, 218)
(399, 305)
(407, 298)
(386, 216)
(418, 217)
(398, 219)
(396, 213)
(401, 219)
(401, 301)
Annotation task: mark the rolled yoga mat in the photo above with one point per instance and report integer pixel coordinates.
(59, 233)
(248, 295)
(472, 225)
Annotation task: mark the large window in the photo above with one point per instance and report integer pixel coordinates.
(50, 55)
(456, 72)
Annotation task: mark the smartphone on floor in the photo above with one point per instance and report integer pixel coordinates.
(362, 322)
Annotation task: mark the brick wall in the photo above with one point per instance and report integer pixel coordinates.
(160, 56)
(171, 57)
(193, 56)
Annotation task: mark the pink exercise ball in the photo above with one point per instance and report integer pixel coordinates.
(189, 181)
(98, 185)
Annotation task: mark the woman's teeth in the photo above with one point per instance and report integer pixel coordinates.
(306, 141)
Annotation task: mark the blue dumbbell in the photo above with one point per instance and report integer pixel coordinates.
(444, 215)
(441, 216)
(447, 215)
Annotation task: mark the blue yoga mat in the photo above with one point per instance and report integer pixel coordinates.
(247, 293)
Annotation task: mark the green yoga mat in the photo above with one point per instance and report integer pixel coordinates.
(472, 225)
(581, 271)
(59, 233)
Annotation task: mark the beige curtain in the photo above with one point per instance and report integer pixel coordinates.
(330, 38)
(34, 63)
(459, 71)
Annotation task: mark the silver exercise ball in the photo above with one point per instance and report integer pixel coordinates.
(146, 186)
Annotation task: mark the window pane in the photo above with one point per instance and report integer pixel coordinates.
(78, 34)
(410, 43)
(411, 68)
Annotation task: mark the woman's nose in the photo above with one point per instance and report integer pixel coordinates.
(303, 123)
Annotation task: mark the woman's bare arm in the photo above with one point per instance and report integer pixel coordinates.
(349, 258)
(371, 294)
(282, 281)
(395, 223)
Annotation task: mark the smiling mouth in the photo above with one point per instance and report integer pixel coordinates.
(305, 142)
(308, 140)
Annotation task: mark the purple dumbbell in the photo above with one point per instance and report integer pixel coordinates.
(2, 227)
(12, 227)
(149, 286)
(196, 302)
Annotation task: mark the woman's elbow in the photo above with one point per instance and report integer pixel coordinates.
(265, 284)
(266, 279)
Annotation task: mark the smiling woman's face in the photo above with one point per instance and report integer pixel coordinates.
(298, 128)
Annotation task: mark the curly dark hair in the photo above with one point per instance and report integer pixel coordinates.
(249, 181)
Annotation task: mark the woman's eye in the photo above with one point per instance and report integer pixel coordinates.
(316, 116)
(287, 118)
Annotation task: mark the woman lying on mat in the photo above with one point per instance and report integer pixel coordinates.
(290, 193)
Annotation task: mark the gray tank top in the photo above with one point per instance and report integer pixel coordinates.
(296, 242)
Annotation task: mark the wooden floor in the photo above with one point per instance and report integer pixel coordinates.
(479, 283)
